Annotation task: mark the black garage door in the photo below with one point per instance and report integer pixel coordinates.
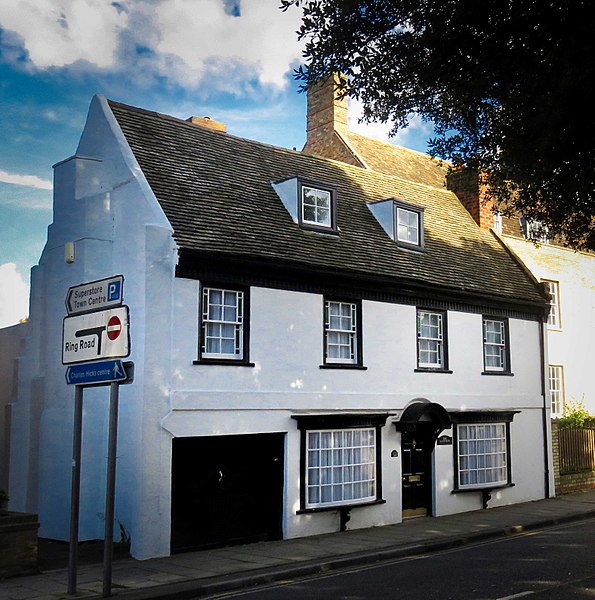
(226, 490)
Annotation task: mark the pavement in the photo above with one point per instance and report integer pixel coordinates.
(207, 572)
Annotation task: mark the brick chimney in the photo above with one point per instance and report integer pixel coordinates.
(471, 190)
(327, 119)
(208, 123)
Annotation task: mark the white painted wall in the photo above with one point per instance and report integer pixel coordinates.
(286, 347)
(103, 204)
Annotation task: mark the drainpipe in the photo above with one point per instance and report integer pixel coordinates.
(544, 412)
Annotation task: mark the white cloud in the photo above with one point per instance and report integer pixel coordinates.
(190, 42)
(414, 136)
(56, 33)
(14, 295)
(25, 180)
(199, 39)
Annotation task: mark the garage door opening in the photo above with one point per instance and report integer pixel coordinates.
(226, 490)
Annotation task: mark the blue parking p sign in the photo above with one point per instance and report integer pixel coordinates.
(114, 290)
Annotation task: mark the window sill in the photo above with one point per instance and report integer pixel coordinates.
(431, 370)
(505, 373)
(343, 366)
(223, 361)
(482, 488)
(303, 511)
(332, 231)
(410, 247)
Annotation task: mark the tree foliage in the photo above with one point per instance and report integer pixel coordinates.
(508, 84)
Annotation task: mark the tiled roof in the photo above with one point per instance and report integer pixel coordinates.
(396, 160)
(216, 191)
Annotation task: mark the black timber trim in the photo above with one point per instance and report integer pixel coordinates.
(481, 416)
(340, 420)
(302, 277)
(338, 507)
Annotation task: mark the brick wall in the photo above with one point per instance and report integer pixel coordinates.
(18, 544)
(471, 192)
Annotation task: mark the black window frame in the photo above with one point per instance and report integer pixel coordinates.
(244, 360)
(507, 367)
(339, 422)
(478, 418)
(419, 210)
(359, 362)
(332, 228)
(445, 366)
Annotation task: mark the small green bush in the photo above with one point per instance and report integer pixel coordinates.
(575, 416)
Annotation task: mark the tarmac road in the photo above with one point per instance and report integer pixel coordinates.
(553, 563)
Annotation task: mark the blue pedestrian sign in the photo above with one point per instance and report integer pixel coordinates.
(106, 371)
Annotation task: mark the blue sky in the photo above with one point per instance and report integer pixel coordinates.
(229, 59)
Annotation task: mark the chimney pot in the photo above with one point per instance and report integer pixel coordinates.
(208, 123)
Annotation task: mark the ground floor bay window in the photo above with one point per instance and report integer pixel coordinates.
(340, 460)
(481, 450)
(340, 466)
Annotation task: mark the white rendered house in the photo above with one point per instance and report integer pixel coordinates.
(317, 345)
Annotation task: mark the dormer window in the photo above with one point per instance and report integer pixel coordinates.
(316, 207)
(498, 223)
(535, 231)
(402, 221)
(409, 225)
(310, 205)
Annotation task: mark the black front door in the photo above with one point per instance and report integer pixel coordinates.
(416, 463)
(226, 490)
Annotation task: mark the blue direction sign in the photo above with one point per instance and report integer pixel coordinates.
(105, 371)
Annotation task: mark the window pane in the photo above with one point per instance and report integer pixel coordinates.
(346, 470)
(407, 226)
(316, 206)
(222, 330)
(482, 457)
(430, 344)
(553, 289)
(556, 385)
(340, 332)
(494, 345)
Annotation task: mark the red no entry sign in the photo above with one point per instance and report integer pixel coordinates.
(114, 328)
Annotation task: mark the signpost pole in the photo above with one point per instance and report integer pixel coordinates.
(75, 487)
(110, 490)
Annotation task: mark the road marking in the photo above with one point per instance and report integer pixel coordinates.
(519, 595)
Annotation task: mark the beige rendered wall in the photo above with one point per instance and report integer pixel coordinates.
(12, 343)
(571, 344)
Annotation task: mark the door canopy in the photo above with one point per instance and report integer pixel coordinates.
(424, 411)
